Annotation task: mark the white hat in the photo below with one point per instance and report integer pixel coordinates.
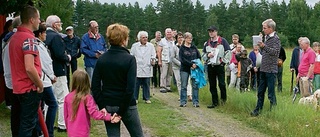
(69, 27)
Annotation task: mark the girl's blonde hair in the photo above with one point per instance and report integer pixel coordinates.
(81, 86)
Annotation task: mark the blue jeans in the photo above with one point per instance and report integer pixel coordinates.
(29, 103)
(89, 70)
(52, 104)
(267, 80)
(145, 83)
(132, 122)
(195, 90)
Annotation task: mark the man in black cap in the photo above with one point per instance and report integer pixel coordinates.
(216, 54)
(73, 43)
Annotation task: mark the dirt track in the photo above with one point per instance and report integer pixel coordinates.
(208, 119)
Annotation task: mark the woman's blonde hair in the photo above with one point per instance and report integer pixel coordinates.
(117, 33)
(81, 86)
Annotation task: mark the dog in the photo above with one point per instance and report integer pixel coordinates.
(312, 100)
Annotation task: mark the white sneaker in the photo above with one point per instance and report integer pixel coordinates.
(9, 107)
(148, 102)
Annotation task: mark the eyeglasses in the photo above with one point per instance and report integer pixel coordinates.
(96, 27)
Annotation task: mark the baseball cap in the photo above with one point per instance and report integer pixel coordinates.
(69, 27)
(212, 28)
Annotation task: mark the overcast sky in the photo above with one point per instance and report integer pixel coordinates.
(143, 3)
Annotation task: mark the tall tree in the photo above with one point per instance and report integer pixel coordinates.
(199, 27)
(62, 8)
(298, 14)
(151, 20)
(314, 24)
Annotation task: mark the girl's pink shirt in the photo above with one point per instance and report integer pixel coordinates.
(80, 126)
(233, 58)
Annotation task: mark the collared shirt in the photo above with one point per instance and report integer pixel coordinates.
(270, 53)
(23, 43)
(308, 58)
(167, 50)
(144, 55)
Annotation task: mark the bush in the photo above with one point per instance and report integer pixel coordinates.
(284, 40)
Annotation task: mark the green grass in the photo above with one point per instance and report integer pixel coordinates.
(167, 121)
(286, 119)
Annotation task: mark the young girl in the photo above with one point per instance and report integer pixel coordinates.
(79, 106)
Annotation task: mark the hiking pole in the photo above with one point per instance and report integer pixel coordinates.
(256, 81)
(291, 87)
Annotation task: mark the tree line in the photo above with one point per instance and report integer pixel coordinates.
(294, 19)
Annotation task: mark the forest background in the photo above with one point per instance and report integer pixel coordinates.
(294, 19)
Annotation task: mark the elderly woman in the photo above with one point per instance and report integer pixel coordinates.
(48, 78)
(187, 53)
(255, 57)
(145, 55)
(113, 83)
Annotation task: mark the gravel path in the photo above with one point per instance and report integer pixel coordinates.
(209, 119)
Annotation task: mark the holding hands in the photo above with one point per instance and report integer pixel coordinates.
(115, 118)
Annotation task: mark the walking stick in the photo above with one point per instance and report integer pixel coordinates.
(42, 123)
(291, 87)
(256, 81)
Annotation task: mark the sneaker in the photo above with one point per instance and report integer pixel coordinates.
(9, 107)
(184, 105)
(168, 89)
(212, 106)
(162, 90)
(62, 130)
(148, 102)
(189, 98)
(196, 105)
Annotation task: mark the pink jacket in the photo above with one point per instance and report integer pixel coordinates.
(80, 126)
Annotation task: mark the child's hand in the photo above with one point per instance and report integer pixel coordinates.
(104, 111)
(115, 118)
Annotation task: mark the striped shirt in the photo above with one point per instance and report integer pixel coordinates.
(270, 53)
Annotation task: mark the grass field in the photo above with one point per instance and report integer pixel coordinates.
(285, 120)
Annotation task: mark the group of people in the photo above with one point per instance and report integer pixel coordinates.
(36, 59)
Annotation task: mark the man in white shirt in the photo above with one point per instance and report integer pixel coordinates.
(165, 53)
(145, 54)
